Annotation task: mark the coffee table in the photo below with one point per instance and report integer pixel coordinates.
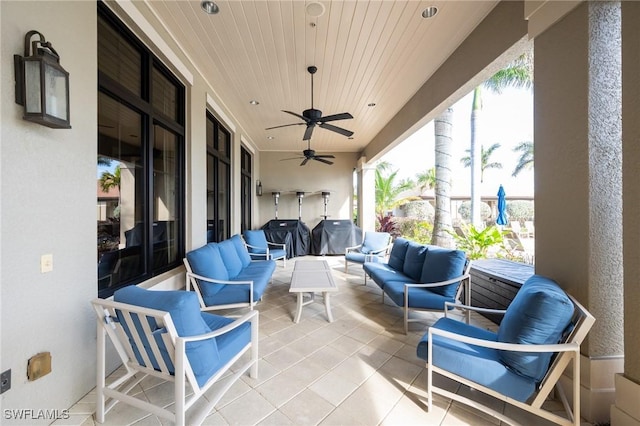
(312, 276)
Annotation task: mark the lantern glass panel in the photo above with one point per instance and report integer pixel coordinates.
(32, 87)
(55, 84)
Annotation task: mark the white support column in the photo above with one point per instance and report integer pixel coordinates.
(366, 195)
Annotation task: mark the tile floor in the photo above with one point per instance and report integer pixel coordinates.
(360, 369)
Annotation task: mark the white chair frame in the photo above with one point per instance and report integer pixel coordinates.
(192, 282)
(268, 255)
(568, 352)
(465, 284)
(371, 254)
(109, 395)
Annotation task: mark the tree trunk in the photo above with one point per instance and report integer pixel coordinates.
(475, 154)
(442, 219)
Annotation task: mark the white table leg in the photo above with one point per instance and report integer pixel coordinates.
(327, 305)
(299, 308)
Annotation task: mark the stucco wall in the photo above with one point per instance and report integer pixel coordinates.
(48, 207)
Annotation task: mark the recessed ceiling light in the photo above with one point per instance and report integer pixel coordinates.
(315, 9)
(270, 137)
(254, 102)
(210, 7)
(430, 12)
(371, 104)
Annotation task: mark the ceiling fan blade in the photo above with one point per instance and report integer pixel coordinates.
(284, 125)
(336, 129)
(292, 158)
(304, 161)
(334, 117)
(301, 117)
(325, 156)
(308, 132)
(322, 160)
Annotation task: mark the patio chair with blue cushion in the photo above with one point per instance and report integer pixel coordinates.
(261, 249)
(520, 364)
(374, 248)
(163, 334)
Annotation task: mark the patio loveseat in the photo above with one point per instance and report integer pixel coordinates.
(224, 276)
(421, 277)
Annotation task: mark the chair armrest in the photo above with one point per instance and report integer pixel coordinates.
(380, 250)
(441, 283)
(223, 330)
(282, 246)
(352, 248)
(513, 347)
(472, 308)
(215, 281)
(256, 247)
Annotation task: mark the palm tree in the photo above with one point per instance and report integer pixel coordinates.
(426, 179)
(442, 226)
(526, 157)
(388, 191)
(484, 164)
(110, 180)
(518, 74)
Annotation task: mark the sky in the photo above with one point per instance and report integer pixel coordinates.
(507, 119)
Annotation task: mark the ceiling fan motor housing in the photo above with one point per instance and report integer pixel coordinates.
(312, 114)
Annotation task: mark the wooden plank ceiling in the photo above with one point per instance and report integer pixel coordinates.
(366, 52)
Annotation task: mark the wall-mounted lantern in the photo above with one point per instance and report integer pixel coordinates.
(276, 197)
(259, 188)
(42, 85)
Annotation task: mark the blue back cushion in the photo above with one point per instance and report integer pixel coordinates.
(374, 241)
(539, 314)
(256, 238)
(241, 249)
(414, 260)
(184, 309)
(230, 258)
(206, 261)
(398, 253)
(442, 264)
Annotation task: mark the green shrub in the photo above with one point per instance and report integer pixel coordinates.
(477, 242)
(422, 210)
(414, 229)
(520, 210)
(465, 211)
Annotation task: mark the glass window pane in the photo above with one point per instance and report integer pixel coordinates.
(223, 200)
(223, 142)
(119, 189)
(166, 220)
(118, 59)
(165, 95)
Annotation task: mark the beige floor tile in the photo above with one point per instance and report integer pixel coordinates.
(333, 387)
(281, 388)
(249, 409)
(307, 408)
(412, 410)
(328, 357)
(277, 418)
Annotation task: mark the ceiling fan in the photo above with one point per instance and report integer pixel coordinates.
(313, 117)
(310, 154)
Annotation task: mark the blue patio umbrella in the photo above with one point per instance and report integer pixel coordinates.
(502, 207)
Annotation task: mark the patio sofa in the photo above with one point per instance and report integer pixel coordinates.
(421, 277)
(224, 276)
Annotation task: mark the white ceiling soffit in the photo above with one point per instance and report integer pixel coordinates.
(366, 52)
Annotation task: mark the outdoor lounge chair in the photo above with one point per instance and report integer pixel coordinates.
(375, 247)
(520, 364)
(164, 334)
(261, 249)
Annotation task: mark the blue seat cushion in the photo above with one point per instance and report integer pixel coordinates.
(414, 260)
(277, 253)
(539, 314)
(374, 241)
(398, 253)
(185, 313)
(421, 298)
(230, 258)
(257, 239)
(258, 272)
(206, 261)
(475, 363)
(354, 256)
(381, 273)
(241, 250)
(230, 343)
(441, 265)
